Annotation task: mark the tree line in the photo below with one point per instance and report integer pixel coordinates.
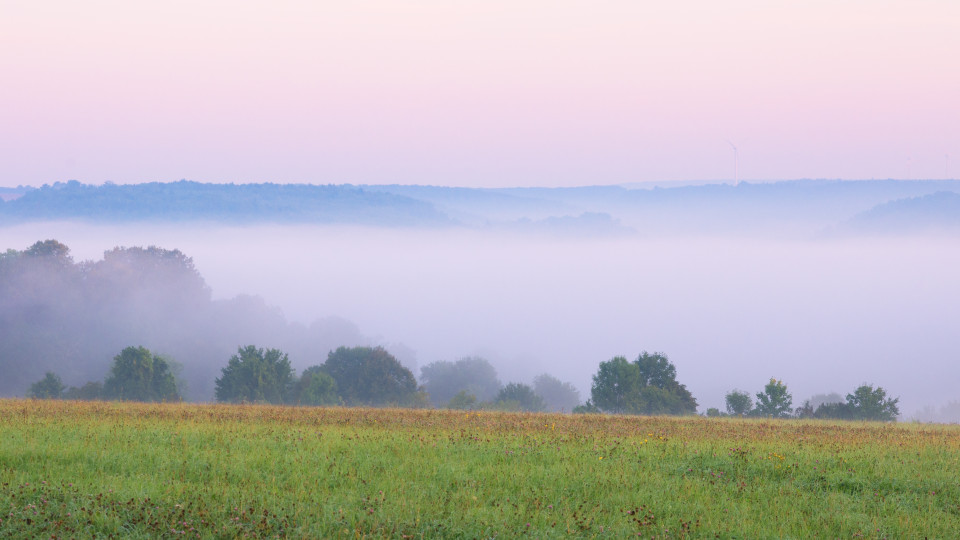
(371, 376)
(63, 318)
(350, 376)
(866, 402)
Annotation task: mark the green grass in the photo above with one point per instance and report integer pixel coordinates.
(70, 469)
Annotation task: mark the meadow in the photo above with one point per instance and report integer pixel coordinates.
(130, 470)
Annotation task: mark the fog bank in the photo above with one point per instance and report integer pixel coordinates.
(822, 315)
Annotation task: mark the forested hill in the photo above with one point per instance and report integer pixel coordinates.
(799, 207)
(231, 203)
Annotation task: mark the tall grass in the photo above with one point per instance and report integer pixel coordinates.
(78, 469)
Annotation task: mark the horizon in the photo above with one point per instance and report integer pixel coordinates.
(625, 185)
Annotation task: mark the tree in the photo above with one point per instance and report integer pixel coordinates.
(775, 401)
(463, 401)
(256, 376)
(645, 386)
(51, 250)
(739, 403)
(90, 391)
(315, 387)
(616, 386)
(557, 395)
(520, 397)
(139, 375)
(474, 375)
(869, 403)
(49, 387)
(835, 411)
(370, 376)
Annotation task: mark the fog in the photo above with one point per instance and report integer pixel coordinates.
(731, 312)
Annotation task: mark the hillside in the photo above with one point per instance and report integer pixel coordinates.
(797, 208)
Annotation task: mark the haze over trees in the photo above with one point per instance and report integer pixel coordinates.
(49, 387)
(558, 396)
(473, 375)
(71, 318)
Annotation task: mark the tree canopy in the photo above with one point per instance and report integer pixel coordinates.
(647, 385)
(519, 397)
(139, 375)
(473, 375)
(865, 403)
(256, 376)
(869, 403)
(316, 387)
(49, 387)
(557, 395)
(370, 376)
(775, 401)
(738, 403)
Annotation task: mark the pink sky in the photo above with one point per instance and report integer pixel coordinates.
(492, 93)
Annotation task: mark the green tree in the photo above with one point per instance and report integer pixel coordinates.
(315, 388)
(139, 375)
(775, 401)
(520, 397)
(738, 403)
(616, 386)
(90, 391)
(645, 386)
(557, 395)
(256, 376)
(463, 401)
(475, 375)
(835, 411)
(50, 249)
(49, 387)
(869, 403)
(371, 376)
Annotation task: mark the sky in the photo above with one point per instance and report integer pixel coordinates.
(470, 93)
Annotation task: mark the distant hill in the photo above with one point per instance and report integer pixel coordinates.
(230, 203)
(798, 208)
(938, 211)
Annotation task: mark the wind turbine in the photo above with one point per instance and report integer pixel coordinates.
(736, 164)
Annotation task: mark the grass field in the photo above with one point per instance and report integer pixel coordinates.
(76, 469)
